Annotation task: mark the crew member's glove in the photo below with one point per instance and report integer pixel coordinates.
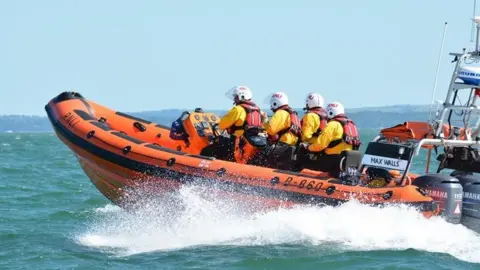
(264, 117)
(304, 146)
(302, 149)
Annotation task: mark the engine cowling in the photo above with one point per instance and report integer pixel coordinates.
(447, 191)
(471, 199)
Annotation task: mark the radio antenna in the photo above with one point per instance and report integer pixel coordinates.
(473, 22)
(436, 74)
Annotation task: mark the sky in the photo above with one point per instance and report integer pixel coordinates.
(151, 55)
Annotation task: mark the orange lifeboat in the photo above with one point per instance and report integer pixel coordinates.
(120, 153)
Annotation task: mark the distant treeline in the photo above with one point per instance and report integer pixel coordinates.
(365, 119)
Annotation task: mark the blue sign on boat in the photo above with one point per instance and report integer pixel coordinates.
(469, 75)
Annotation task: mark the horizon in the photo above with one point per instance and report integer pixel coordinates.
(180, 109)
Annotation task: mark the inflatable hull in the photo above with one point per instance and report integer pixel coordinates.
(122, 154)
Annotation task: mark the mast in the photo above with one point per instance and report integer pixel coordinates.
(464, 76)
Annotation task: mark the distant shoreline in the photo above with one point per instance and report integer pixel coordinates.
(365, 118)
(390, 108)
(29, 132)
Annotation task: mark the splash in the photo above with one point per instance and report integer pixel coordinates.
(193, 218)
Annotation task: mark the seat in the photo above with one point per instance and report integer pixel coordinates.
(350, 164)
(350, 159)
(459, 158)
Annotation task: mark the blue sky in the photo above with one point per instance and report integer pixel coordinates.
(150, 55)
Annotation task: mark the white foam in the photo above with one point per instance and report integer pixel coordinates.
(108, 209)
(192, 219)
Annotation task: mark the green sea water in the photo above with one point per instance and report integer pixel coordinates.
(52, 217)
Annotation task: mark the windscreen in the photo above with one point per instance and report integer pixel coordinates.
(387, 156)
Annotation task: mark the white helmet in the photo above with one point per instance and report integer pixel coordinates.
(277, 100)
(242, 92)
(314, 100)
(334, 109)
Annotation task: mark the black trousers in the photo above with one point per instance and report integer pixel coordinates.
(279, 156)
(318, 162)
(222, 149)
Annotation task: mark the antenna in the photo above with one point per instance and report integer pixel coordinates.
(476, 20)
(473, 22)
(436, 74)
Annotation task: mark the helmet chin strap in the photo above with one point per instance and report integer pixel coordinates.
(278, 108)
(307, 108)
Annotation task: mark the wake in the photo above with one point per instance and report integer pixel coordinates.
(192, 218)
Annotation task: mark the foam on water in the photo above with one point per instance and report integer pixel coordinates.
(109, 208)
(190, 219)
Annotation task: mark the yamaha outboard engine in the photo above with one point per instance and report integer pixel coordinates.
(447, 191)
(471, 199)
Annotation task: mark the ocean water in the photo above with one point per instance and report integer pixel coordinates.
(52, 217)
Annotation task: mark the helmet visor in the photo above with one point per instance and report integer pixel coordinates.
(230, 94)
(268, 98)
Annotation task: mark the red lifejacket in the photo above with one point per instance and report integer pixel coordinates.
(350, 136)
(253, 119)
(322, 113)
(295, 124)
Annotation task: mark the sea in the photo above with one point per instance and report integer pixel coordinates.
(52, 217)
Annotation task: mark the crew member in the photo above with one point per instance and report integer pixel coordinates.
(284, 132)
(340, 134)
(315, 118)
(244, 123)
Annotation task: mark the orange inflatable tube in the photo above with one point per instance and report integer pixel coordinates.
(120, 153)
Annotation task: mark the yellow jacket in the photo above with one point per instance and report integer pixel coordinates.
(333, 131)
(310, 124)
(279, 121)
(234, 117)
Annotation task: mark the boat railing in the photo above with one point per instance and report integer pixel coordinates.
(444, 142)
